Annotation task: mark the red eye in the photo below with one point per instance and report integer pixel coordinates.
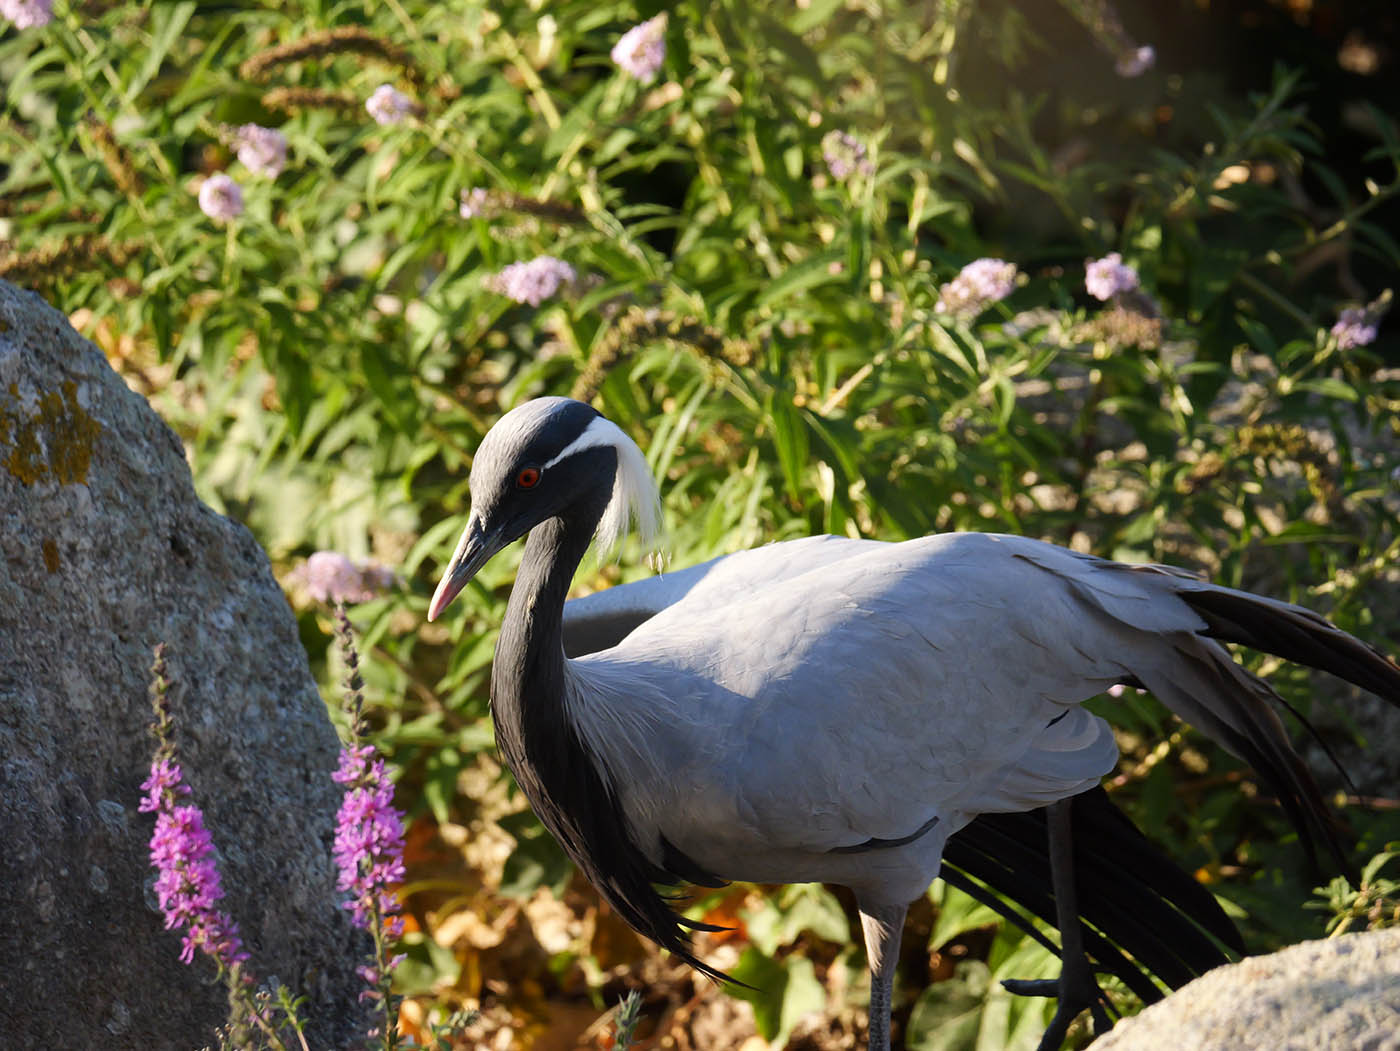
(528, 478)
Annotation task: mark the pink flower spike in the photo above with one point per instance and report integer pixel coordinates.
(187, 877)
(369, 838)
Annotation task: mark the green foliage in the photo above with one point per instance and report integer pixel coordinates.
(781, 992)
(1374, 904)
(628, 1015)
(769, 332)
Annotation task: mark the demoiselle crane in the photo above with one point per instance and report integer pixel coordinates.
(835, 710)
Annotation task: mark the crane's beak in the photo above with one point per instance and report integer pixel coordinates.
(474, 550)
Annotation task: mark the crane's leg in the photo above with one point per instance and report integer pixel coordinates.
(882, 926)
(1076, 988)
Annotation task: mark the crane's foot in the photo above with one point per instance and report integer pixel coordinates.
(1075, 991)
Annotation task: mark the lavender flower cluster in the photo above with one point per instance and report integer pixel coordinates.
(1107, 277)
(641, 50)
(978, 285)
(263, 151)
(474, 203)
(1355, 327)
(331, 577)
(388, 105)
(534, 280)
(27, 14)
(221, 198)
(845, 155)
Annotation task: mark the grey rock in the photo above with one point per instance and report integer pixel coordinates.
(107, 552)
(1342, 994)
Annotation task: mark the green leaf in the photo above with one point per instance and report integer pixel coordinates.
(802, 57)
(1328, 387)
(781, 992)
(948, 1015)
(804, 276)
(169, 20)
(815, 13)
(958, 913)
(791, 441)
(797, 909)
(537, 860)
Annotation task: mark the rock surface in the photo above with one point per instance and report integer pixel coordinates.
(107, 551)
(1342, 994)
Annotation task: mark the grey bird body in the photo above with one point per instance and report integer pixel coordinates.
(770, 731)
(850, 711)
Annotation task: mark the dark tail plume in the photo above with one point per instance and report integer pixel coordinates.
(1148, 921)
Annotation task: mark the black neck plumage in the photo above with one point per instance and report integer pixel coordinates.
(565, 783)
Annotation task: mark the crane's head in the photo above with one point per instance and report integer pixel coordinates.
(540, 458)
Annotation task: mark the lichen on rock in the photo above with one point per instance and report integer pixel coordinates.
(54, 442)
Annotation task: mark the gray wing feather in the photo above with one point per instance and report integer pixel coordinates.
(603, 619)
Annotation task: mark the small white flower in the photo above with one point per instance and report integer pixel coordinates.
(548, 29)
(221, 198)
(473, 203)
(1136, 62)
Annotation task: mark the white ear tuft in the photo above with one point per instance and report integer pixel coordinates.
(634, 494)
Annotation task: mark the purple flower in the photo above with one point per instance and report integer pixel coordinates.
(263, 151)
(1136, 61)
(187, 876)
(165, 779)
(220, 198)
(369, 842)
(474, 203)
(534, 281)
(1355, 327)
(977, 286)
(642, 49)
(329, 576)
(26, 14)
(389, 106)
(844, 155)
(1106, 277)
